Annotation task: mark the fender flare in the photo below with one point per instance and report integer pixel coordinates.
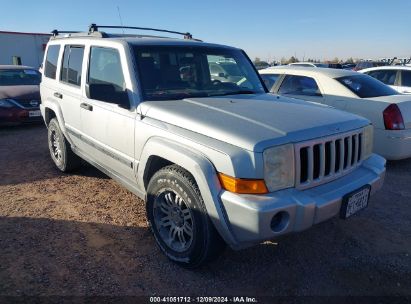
(55, 107)
(203, 172)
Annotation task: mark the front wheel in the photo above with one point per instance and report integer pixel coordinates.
(60, 151)
(179, 220)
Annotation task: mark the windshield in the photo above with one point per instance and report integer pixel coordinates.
(365, 86)
(184, 72)
(16, 77)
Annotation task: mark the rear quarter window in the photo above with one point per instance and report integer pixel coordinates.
(50, 68)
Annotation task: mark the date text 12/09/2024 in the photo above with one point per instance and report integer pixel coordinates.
(234, 299)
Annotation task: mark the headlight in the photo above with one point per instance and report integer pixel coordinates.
(6, 103)
(279, 167)
(368, 140)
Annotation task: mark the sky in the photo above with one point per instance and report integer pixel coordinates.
(270, 30)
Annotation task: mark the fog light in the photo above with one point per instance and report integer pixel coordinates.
(280, 221)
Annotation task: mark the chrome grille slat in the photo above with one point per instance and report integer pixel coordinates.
(349, 150)
(332, 159)
(310, 164)
(322, 160)
(318, 162)
(356, 148)
(342, 154)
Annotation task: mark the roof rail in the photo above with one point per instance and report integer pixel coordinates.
(94, 28)
(57, 32)
(72, 34)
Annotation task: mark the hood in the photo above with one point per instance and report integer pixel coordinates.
(21, 92)
(253, 122)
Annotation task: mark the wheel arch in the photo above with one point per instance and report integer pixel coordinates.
(198, 165)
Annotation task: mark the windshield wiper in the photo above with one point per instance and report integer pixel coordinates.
(233, 93)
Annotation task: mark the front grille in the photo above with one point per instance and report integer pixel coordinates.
(322, 160)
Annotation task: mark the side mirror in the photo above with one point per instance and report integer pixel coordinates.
(107, 93)
(221, 75)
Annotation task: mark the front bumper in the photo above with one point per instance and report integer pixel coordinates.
(250, 216)
(15, 116)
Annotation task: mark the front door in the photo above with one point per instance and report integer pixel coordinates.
(106, 119)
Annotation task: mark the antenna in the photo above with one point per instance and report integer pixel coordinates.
(121, 20)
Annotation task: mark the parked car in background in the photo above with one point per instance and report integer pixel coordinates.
(368, 64)
(317, 65)
(397, 77)
(225, 71)
(348, 66)
(309, 64)
(354, 92)
(19, 95)
(261, 65)
(215, 162)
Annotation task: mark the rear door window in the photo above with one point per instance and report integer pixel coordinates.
(51, 61)
(385, 76)
(72, 65)
(406, 78)
(299, 85)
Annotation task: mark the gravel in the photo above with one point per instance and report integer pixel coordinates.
(82, 234)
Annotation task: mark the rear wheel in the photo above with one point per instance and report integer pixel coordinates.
(60, 151)
(179, 220)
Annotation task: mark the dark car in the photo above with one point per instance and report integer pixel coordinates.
(19, 95)
(348, 66)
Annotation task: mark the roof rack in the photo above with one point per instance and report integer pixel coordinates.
(94, 31)
(94, 28)
(57, 32)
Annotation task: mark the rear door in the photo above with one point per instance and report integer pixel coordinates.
(106, 119)
(69, 90)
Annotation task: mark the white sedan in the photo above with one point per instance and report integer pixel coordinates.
(389, 111)
(397, 77)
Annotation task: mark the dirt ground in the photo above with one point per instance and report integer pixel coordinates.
(83, 234)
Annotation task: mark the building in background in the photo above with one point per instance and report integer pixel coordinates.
(22, 48)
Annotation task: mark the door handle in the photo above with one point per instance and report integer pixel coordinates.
(86, 106)
(58, 95)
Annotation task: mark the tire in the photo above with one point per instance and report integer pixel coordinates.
(60, 150)
(178, 218)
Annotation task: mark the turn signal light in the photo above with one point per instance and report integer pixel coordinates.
(393, 118)
(242, 186)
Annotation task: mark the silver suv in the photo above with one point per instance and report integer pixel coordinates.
(216, 161)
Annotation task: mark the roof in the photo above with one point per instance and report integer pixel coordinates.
(332, 73)
(16, 67)
(171, 42)
(388, 67)
(144, 40)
